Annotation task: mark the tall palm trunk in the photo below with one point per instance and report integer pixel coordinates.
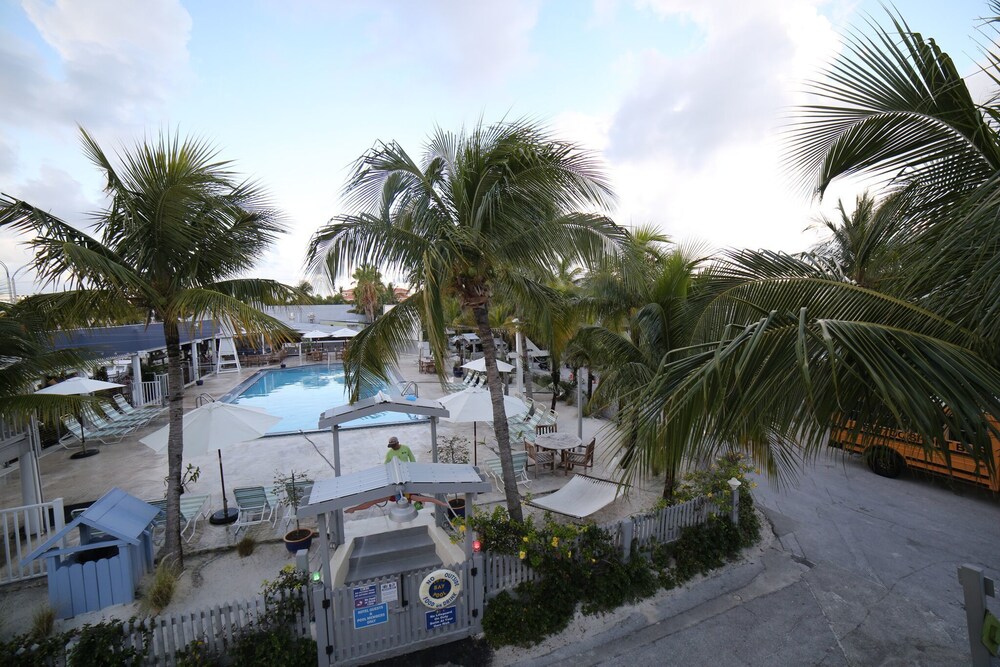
(499, 415)
(175, 443)
(556, 375)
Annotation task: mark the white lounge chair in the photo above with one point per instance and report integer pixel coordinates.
(256, 505)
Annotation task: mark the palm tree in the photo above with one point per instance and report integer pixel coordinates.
(483, 212)
(178, 232)
(368, 289)
(29, 355)
(629, 361)
(784, 346)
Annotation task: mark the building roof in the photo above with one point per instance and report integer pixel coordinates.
(116, 513)
(394, 477)
(381, 402)
(131, 338)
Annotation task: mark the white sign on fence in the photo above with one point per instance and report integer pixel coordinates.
(389, 592)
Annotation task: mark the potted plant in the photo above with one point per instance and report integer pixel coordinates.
(454, 449)
(291, 490)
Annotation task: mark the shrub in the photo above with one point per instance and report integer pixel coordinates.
(42, 622)
(246, 545)
(583, 565)
(162, 589)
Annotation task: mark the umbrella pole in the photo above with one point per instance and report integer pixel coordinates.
(225, 515)
(84, 452)
(475, 444)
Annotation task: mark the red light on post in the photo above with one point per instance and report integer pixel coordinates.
(477, 546)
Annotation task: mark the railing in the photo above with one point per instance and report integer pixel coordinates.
(154, 392)
(410, 389)
(24, 529)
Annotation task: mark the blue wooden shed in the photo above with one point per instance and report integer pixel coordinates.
(114, 551)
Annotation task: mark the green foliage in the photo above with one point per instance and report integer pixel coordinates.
(582, 565)
(43, 621)
(195, 654)
(105, 644)
(271, 641)
(161, 592)
(713, 482)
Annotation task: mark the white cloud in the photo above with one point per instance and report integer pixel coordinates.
(694, 146)
(466, 45)
(118, 62)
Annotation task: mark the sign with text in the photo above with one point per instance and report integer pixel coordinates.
(366, 617)
(440, 618)
(389, 592)
(365, 596)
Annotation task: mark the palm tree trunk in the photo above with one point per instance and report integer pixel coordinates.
(172, 548)
(556, 374)
(499, 414)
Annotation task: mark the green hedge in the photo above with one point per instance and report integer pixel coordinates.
(581, 566)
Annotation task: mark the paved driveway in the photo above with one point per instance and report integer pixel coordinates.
(863, 572)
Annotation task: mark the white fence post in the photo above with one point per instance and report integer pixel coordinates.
(627, 529)
(734, 515)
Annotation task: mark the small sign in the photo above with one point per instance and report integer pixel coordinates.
(389, 593)
(365, 596)
(366, 617)
(440, 618)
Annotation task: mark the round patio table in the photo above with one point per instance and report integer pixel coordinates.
(557, 442)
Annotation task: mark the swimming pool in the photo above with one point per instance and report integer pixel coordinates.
(300, 395)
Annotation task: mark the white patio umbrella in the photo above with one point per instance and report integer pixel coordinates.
(317, 334)
(213, 426)
(479, 365)
(475, 405)
(344, 333)
(77, 386)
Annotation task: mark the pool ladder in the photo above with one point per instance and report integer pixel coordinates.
(410, 388)
(203, 399)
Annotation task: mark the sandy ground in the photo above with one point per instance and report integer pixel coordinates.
(214, 572)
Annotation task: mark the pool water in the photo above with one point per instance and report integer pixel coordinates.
(300, 395)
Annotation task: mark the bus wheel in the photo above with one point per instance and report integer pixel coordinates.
(884, 461)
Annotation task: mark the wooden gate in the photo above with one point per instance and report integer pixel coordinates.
(385, 617)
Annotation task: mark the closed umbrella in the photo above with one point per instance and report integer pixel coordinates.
(475, 405)
(213, 426)
(479, 365)
(77, 386)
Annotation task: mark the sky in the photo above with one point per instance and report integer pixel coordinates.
(684, 101)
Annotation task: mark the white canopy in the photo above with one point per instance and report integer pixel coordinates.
(317, 334)
(344, 333)
(214, 426)
(78, 385)
(472, 405)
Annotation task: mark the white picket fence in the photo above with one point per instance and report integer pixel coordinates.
(24, 528)
(663, 526)
(217, 627)
(154, 391)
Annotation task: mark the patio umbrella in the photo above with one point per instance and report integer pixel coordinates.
(479, 365)
(317, 334)
(213, 426)
(475, 405)
(77, 386)
(344, 333)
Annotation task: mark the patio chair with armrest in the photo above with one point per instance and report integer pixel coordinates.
(192, 510)
(102, 424)
(495, 470)
(539, 458)
(255, 505)
(146, 413)
(583, 459)
(119, 418)
(81, 432)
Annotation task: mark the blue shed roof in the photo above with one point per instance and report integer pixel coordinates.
(116, 513)
(131, 338)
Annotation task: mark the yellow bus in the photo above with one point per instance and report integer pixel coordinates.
(888, 452)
